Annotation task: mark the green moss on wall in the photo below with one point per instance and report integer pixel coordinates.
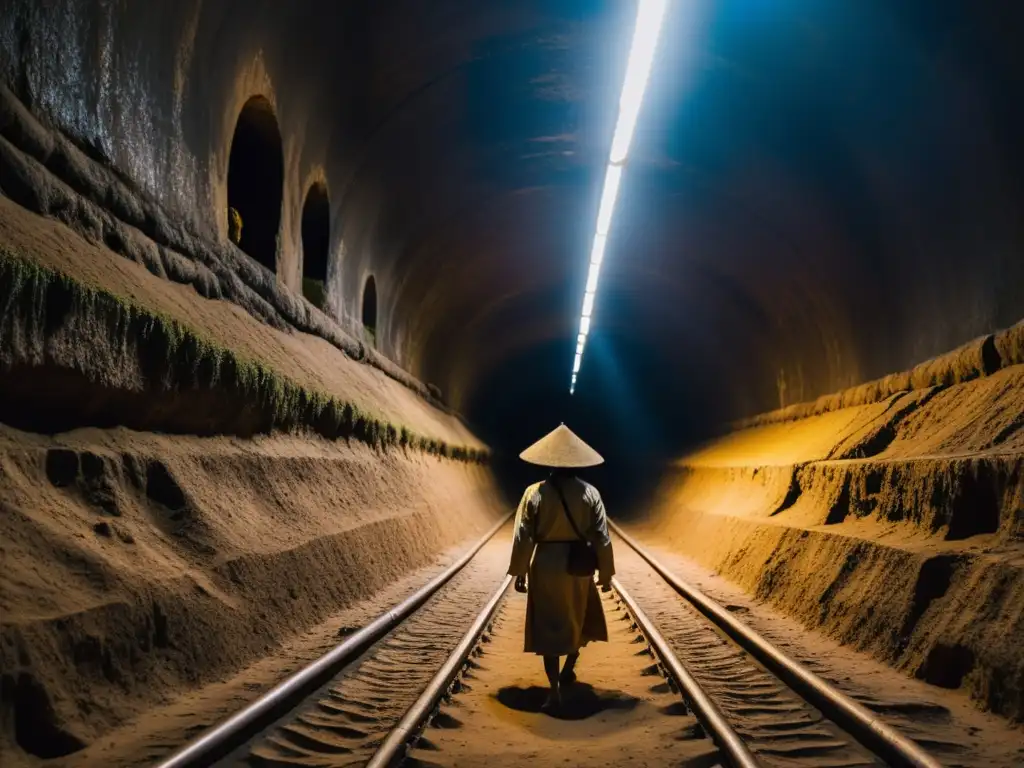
(173, 357)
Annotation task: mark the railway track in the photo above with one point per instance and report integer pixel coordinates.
(784, 713)
(325, 710)
(420, 689)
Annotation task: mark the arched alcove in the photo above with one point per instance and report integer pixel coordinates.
(256, 180)
(316, 243)
(370, 309)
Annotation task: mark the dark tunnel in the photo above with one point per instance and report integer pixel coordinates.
(817, 194)
(808, 187)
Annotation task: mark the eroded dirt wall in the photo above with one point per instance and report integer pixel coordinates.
(896, 525)
(138, 566)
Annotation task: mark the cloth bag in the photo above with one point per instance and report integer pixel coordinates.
(582, 560)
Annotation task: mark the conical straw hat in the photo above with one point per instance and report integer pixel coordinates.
(561, 448)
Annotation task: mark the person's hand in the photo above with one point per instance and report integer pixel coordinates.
(520, 584)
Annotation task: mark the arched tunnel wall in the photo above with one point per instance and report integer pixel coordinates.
(819, 196)
(799, 216)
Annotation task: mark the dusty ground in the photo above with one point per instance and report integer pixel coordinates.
(618, 713)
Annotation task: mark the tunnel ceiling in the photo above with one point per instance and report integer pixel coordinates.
(818, 193)
(806, 178)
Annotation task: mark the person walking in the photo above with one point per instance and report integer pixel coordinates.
(560, 540)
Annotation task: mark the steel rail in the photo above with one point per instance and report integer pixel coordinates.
(710, 716)
(859, 721)
(228, 735)
(393, 749)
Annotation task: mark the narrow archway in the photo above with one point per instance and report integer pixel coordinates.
(256, 181)
(370, 310)
(316, 243)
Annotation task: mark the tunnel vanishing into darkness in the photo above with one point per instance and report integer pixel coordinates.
(818, 194)
(256, 179)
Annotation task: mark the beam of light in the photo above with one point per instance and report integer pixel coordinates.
(608, 196)
(649, 17)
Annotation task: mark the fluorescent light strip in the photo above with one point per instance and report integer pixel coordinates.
(611, 191)
(588, 304)
(649, 17)
(595, 271)
(597, 251)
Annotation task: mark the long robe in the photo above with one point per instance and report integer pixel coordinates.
(563, 612)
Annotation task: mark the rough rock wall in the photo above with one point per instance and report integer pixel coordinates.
(156, 90)
(137, 121)
(48, 174)
(895, 525)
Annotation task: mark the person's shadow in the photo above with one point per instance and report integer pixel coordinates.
(579, 700)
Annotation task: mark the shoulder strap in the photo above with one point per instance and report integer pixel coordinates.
(565, 507)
